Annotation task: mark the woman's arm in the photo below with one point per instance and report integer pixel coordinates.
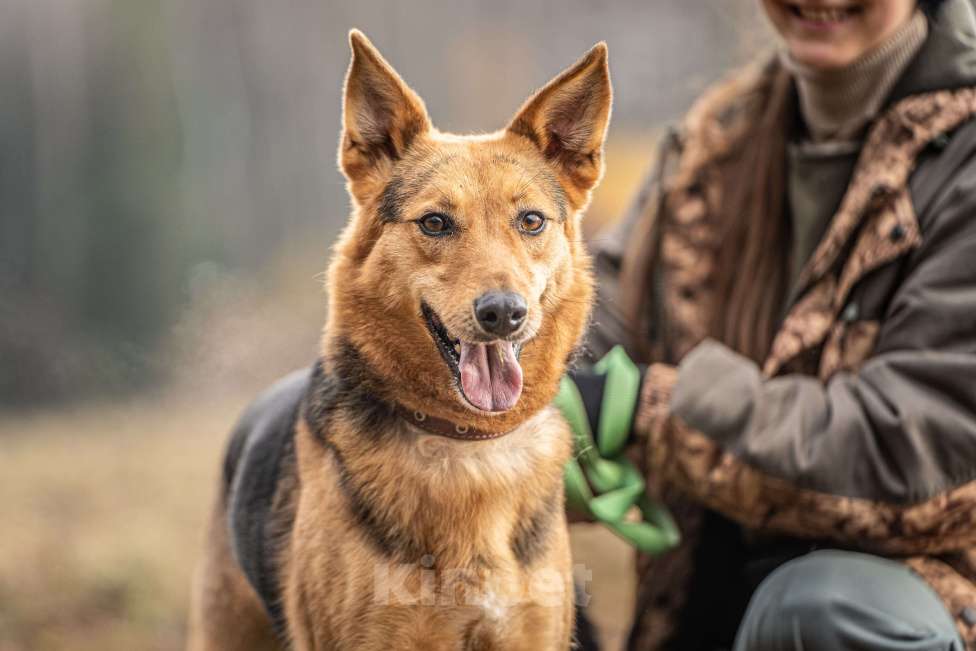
(883, 459)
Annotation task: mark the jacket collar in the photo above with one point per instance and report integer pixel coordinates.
(947, 60)
(885, 164)
(879, 188)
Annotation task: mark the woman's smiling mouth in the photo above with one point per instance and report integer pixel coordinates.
(819, 16)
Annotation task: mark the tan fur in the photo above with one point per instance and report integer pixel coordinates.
(460, 502)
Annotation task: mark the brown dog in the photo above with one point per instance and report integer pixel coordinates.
(407, 492)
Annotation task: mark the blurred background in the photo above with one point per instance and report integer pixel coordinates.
(168, 197)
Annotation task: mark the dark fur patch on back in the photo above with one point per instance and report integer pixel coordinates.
(530, 538)
(277, 534)
(260, 481)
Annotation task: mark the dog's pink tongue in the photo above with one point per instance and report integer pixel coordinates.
(491, 377)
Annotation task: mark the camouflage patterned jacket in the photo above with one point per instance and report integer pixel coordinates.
(859, 430)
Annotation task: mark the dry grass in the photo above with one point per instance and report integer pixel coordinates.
(102, 519)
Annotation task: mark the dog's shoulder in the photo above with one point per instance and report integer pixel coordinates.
(259, 466)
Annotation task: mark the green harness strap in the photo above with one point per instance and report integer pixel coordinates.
(600, 481)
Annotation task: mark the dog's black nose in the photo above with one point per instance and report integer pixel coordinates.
(500, 313)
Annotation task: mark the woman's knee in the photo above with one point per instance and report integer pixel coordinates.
(844, 600)
(795, 601)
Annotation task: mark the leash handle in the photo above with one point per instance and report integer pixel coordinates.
(599, 480)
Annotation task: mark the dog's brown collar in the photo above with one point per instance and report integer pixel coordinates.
(442, 427)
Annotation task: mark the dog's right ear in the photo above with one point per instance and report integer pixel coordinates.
(381, 114)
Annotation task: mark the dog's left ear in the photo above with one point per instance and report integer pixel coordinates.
(381, 115)
(567, 119)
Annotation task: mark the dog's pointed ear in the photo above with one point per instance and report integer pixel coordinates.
(567, 119)
(381, 115)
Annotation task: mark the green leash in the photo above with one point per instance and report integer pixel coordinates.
(599, 466)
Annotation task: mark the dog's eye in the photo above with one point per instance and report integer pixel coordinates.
(531, 222)
(435, 224)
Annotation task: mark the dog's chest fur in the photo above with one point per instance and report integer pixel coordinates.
(430, 537)
(444, 537)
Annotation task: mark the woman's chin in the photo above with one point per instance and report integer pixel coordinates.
(820, 55)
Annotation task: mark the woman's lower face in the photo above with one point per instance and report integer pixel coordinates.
(832, 34)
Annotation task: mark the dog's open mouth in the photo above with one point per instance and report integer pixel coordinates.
(488, 375)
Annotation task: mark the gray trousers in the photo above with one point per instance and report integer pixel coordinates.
(839, 601)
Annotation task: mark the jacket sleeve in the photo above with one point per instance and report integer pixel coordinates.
(882, 459)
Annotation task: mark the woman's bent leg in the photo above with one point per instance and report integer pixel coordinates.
(839, 601)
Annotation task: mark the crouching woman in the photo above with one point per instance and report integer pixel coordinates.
(800, 278)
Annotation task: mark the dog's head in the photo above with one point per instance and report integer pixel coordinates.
(461, 277)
